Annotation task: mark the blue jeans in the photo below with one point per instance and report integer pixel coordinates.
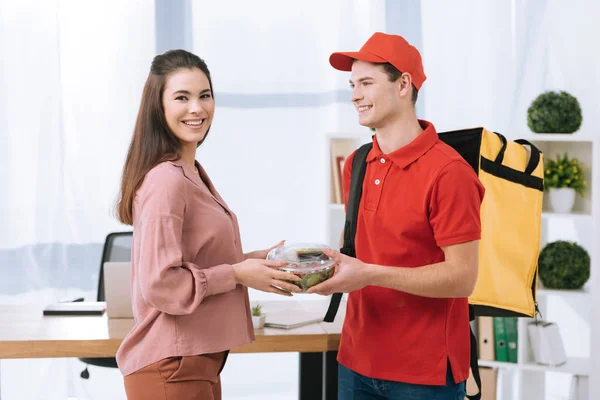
(353, 386)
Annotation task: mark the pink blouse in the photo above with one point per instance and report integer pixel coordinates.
(184, 296)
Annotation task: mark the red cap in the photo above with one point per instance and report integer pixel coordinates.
(382, 48)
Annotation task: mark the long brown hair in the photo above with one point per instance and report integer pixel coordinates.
(153, 142)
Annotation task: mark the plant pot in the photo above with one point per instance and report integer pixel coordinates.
(259, 321)
(562, 199)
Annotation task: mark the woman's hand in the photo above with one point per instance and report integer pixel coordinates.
(262, 275)
(262, 254)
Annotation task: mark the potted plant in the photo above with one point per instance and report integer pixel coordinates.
(564, 265)
(554, 112)
(563, 178)
(258, 318)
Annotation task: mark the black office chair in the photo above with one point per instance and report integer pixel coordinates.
(117, 247)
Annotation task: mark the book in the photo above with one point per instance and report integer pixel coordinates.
(340, 150)
(489, 377)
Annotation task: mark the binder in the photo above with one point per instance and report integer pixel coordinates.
(485, 342)
(510, 325)
(489, 377)
(500, 339)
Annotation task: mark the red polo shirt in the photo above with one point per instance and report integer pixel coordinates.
(415, 200)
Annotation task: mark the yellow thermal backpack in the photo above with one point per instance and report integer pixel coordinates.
(512, 173)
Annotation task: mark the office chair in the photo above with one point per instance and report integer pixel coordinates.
(117, 247)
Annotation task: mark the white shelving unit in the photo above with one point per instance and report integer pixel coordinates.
(572, 310)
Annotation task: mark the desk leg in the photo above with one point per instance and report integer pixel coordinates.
(311, 376)
(318, 376)
(331, 375)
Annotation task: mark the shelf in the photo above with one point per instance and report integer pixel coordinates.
(576, 215)
(563, 292)
(498, 364)
(556, 137)
(336, 207)
(574, 365)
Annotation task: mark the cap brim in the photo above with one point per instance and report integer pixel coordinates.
(343, 61)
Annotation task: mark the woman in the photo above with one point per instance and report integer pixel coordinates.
(189, 275)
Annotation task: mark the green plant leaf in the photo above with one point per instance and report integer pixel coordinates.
(564, 265)
(554, 112)
(565, 172)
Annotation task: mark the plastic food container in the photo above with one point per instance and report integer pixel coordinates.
(305, 260)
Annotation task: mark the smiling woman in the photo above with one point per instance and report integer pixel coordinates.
(178, 90)
(189, 107)
(190, 277)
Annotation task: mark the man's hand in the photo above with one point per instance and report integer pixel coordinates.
(262, 254)
(350, 274)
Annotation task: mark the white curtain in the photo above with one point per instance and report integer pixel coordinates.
(71, 78)
(276, 96)
(468, 59)
(556, 51)
(72, 73)
(487, 61)
(70, 87)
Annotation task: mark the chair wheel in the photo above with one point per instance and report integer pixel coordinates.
(85, 374)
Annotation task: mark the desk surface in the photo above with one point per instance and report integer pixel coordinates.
(26, 333)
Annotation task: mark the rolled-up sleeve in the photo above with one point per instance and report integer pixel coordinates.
(167, 282)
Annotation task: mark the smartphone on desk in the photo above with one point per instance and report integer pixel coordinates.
(76, 308)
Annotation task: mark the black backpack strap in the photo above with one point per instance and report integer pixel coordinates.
(534, 159)
(474, 358)
(359, 166)
(500, 156)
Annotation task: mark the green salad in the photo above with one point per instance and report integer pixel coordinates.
(306, 261)
(309, 278)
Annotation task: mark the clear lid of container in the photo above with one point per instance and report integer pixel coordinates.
(302, 256)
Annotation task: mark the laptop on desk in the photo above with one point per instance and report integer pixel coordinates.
(76, 308)
(117, 289)
(290, 319)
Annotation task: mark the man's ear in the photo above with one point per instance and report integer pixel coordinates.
(405, 84)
